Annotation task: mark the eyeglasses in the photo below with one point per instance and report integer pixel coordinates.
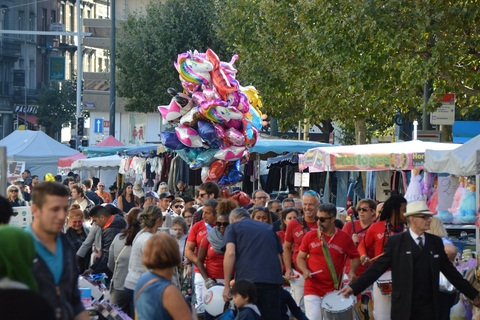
(424, 216)
(364, 209)
(322, 219)
(101, 186)
(76, 222)
(222, 224)
(201, 195)
(178, 206)
(14, 190)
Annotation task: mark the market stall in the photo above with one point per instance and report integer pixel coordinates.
(104, 168)
(463, 161)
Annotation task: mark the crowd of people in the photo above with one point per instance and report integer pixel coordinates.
(151, 244)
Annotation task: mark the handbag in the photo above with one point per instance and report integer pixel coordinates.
(115, 267)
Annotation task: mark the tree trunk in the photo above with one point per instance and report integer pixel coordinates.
(447, 134)
(361, 131)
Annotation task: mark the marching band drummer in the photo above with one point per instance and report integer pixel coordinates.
(416, 259)
(322, 257)
(392, 221)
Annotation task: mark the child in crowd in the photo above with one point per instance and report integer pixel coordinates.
(244, 297)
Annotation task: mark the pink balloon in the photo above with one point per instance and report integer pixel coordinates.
(219, 131)
(170, 112)
(235, 137)
(230, 153)
(188, 136)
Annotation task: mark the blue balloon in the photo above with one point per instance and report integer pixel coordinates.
(206, 131)
(170, 141)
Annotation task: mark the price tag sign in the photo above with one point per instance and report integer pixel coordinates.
(302, 179)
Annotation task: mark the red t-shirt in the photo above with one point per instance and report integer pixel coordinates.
(374, 239)
(281, 236)
(347, 228)
(340, 246)
(197, 233)
(295, 233)
(213, 261)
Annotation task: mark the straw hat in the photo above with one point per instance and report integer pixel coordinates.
(417, 207)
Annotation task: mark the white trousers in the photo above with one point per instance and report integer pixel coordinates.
(381, 304)
(296, 285)
(313, 306)
(198, 281)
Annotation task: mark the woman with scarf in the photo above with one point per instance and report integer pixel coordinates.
(76, 234)
(18, 288)
(210, 256)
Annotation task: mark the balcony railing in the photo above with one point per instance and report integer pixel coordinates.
(19, 94)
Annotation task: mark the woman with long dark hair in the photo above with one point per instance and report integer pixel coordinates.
(127, 200)
(119, 256)
(392, 221)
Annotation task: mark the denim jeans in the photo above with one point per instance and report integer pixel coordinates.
(268, 300)
(130, 293)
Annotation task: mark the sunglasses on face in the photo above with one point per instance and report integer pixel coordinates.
(201, 195)
(222, 224)
(322, 219)
(76, 222)
(178, 206)
(13, 190)
(364, 209)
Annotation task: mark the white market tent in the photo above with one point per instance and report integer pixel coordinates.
(381, 156)
(104, 168)
(461, 161)
(39, 152)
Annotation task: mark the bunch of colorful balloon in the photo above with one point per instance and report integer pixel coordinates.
(216, 120)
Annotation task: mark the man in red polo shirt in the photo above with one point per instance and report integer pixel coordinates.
(294, 234)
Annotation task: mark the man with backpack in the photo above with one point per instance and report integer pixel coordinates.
(294, 234)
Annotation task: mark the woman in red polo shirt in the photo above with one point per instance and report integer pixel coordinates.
(210, 255)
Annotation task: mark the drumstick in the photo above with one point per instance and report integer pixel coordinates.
(316, 272)
(375, 258)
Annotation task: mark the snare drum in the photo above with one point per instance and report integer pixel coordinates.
(384, 283)
(337, 307)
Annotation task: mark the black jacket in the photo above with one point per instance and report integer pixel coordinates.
(398, 256)
(65, 297)
(94, 197)
(108, 234)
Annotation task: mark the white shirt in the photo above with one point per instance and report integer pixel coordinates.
(415, 236)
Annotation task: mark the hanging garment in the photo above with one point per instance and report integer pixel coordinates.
(383, 185)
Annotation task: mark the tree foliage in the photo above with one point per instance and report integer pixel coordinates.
(57, 105)
(149, 44)
(354, 60)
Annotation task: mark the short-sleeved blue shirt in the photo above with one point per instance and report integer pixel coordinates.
(256, 251)
(53, 261)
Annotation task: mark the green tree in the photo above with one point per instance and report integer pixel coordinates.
(57, 106)
(149, 44)
(354, 61)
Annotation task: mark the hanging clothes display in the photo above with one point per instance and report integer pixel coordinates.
(383, 185)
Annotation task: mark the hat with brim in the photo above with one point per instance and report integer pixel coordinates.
(151, 194)
(417, 207)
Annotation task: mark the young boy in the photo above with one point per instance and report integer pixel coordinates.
(244, 297)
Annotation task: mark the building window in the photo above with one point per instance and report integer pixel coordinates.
(21, 20)
(61, 14)
(53, 16)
